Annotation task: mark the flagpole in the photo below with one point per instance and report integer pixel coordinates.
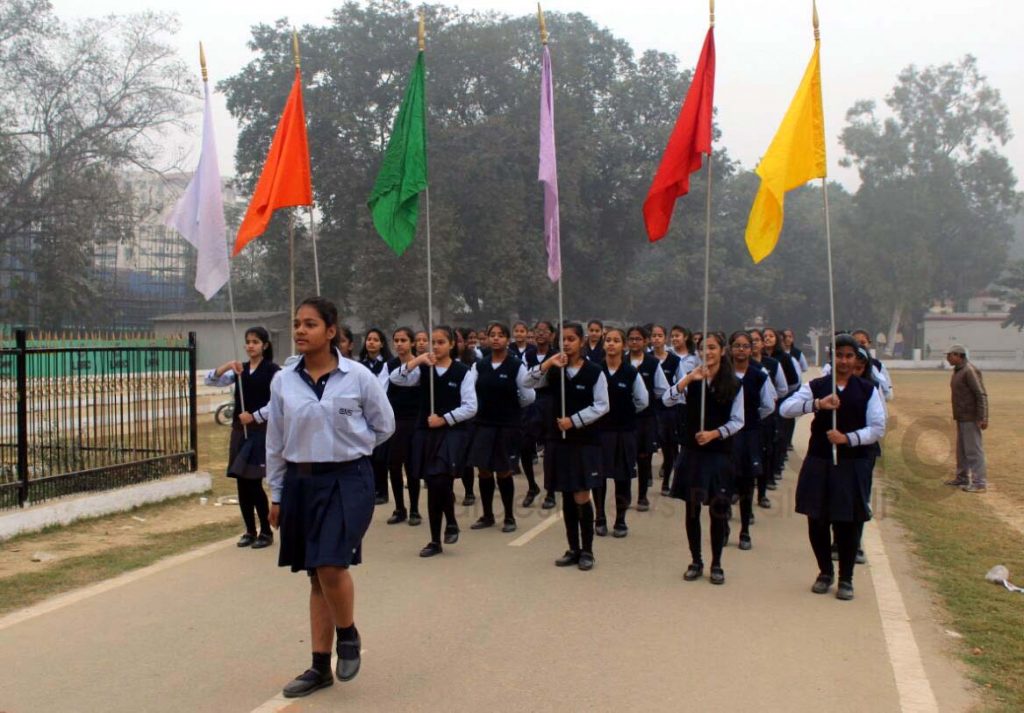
(312, 225)
(231, 296)
(707, 266)
(422, 40)
(291, 266)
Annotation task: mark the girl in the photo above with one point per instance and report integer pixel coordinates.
(247, 454)
(327, 414)
(520, 347)
(667, 418)
(500, 392)
(575, 459)
(646, 423)
(769, 425)
(594, 348)
(548, 395)
(374, 356)
(704, 472)
(405, 400)
(422, 343)
(467, 353)
(627, 397)
(758, 404)
(441, 435)
(837, 496)
(347, 342)
(784, 427)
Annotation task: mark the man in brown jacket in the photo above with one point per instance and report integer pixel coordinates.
(970, 411)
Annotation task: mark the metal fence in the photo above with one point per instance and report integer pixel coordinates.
(83, 414)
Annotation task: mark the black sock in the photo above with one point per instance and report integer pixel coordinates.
(847, 541)
(819, 533)
(746, 507)
(586, 511)
(467, 481)
(449, 510)
(571, 516)
(487, 495)
(435, 509)
(507, 488)
(644, 472)
(600, 494)
(526, 463)
(348, 633)
(322, 663)
(718, 527)
(623, 496)
(693, 532)
(397, 485)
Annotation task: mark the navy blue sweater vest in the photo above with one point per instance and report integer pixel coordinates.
(621, 414)
(851, 416)
(496, 392)
(447, 391)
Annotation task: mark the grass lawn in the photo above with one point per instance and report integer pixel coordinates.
(956, 534)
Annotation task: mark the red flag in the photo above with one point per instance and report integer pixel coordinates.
(690, 138)
(285, 180)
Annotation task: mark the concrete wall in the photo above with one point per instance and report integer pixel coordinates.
(215, 342)
(982, 334)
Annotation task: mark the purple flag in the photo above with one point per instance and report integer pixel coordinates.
(548, 171)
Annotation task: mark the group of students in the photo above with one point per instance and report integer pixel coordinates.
(597, 402)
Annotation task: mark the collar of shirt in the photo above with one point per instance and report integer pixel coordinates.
(321, 383)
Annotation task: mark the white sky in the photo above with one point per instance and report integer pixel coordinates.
(762, 49)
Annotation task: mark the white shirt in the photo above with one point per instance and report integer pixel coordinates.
(766, 407)
(467, 408)
(526, 395)
(803, 402)
(348, 422)
(536, 379)
(736, 420)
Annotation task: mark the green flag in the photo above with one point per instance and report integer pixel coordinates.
(395, 199)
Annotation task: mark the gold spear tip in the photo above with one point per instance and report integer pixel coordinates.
(422, 34)
(814, 18)
(543, 25)
(202, 62)
(711, 4)
(295, 50)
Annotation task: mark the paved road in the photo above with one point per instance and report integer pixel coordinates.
(489, 626)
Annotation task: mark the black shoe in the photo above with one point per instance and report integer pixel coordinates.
(246, 540)
(861, 557)
(745, 543)
(414, 519)
(694, 572)
(643, 505)
(470, 499)
(717, 575)
(531, 495)
(845, 590)
(482, 523)
(396, 517)
(380, 500)
(764, 503)
(822, 584)
(568, 559)
(451, 535)
(601, 528)
(586, 562)
(510, 525)
(549, 502)
(266, 539)
(432, 548)
(771, 485)
(307, 682)
(620, 530)
(347, 668)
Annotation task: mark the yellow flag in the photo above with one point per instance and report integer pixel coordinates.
(796, 155)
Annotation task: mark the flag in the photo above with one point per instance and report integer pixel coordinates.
(690, 138)
(395, 199)
(547, 173)
(199, 214)
(285, 180)
(795, 156)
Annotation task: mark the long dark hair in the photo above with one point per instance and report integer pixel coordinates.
(450, 333)
(264, 336)
(329, 314)
(725, 385)
(467, 356)
(687, 338)
(385, 350)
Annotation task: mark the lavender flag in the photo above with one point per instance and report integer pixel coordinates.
(548, 171)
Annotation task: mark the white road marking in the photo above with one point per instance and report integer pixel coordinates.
(912, 684)
(536, 529)
(77, 595)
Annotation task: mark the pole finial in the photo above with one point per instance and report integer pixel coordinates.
(422, 36)
(543, 25)
(295, 50)
(711, 9)
(202, 62)
(814, 19)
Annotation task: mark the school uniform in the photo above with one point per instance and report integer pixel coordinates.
(647, 423)
(837, 495)
(668, 422)
(769, 428)
(784, 427)
(758, 404)
(378, 367)
(405, 401)
(879, 374)
(627, 398)
(548, 406)
(319, 439)
(523, 354)
(595, 353)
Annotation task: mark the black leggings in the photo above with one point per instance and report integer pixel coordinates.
(379, 460)
(847, 541)
(719, 512)
(440, 504)
(252, 501)
(623, 496)
(579, 523)
(745, 487)
(644, 471)
(397, 483)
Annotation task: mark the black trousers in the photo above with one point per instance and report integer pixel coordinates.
(252, 501)
(847, 541)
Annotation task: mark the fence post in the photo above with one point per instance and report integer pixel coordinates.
(193, 407)
(22, 381)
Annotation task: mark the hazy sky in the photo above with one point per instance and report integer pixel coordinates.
(762, 49)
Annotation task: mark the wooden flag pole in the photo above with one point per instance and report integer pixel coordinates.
(312, 223)
(707, 271)
(422, 41)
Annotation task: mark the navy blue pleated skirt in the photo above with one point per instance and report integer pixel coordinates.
(703, 476)
(438, 451)
(575, 465)
(747, 451)
(618, 455)
(325, 514)
(494, 448)
(668, 425)
(840, 493)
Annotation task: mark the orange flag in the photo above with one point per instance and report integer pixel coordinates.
(285, 180)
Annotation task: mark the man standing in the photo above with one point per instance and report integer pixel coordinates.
(970, 411)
